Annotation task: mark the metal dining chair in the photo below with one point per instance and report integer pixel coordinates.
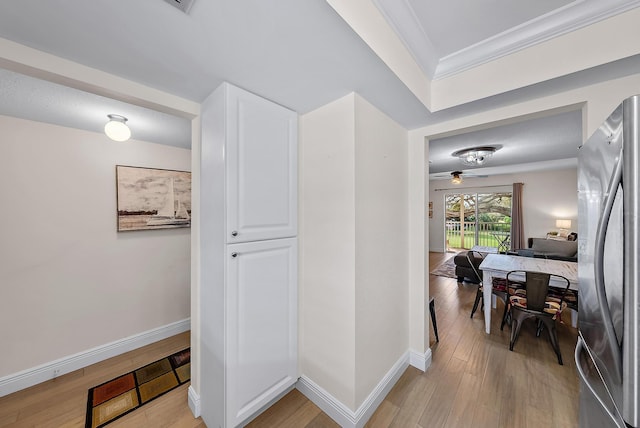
(504, 241)
(498, 289)
(536, 302)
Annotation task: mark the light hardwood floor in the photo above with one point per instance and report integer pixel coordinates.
(474, 380)
(62, 402)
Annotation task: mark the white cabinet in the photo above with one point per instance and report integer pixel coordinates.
(248, 258)
(261, 168)
(261, 325)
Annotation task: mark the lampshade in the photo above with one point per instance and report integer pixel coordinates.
(117, 128)
(563, 224)
(455, 177)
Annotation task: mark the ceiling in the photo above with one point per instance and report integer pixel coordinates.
(529, 141)
(301, 54)
(35, 99)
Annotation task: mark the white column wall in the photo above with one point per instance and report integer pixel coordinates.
(70, 281)
(354, 323)
(382, 317)
(327, 248)
(418, 236)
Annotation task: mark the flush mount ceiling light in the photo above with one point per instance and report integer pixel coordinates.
(475, 156)
(117, 128)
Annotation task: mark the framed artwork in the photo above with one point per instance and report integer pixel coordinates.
(149, 198)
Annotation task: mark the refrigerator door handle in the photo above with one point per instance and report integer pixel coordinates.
(631, 262)
(601, 233)
(583, 377)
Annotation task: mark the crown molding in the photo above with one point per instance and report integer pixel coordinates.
(403, 20)
(578, 14)
(571, 17)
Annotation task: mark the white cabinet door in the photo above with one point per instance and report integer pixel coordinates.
(261, 155)
(261, 324)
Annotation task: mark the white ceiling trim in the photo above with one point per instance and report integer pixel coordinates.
(404, 21)
(578, 14)
(571, 17)
(366, 20)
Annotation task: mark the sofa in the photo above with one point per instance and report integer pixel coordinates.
(554, 249)
(464, 269)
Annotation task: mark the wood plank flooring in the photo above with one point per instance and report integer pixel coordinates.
(474, 380)
(62, 402)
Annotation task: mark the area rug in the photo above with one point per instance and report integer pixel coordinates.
(124, 394)
(448, 269)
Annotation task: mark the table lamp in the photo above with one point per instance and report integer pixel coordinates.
(564, 226)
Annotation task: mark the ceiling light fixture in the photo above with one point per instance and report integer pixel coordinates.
(475, 156)
(117, 128)
(455, 177)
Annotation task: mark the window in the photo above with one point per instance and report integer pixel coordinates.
(477, 219)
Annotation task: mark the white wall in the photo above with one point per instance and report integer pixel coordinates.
(327, 248)
(353, 240)
(70, 281)
(382, 322)
(547, 196)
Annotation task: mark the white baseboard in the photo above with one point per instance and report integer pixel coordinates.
(420, 361)
(33, 376)
(194, 402)
(340, 413)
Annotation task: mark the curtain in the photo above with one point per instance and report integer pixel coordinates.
(517, 228)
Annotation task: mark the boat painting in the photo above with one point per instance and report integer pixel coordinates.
(149, 198)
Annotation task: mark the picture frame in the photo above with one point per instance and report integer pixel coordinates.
(152, 198)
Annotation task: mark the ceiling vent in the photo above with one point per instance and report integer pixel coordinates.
(183, 5)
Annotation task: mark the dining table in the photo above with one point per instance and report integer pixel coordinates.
(498, 265)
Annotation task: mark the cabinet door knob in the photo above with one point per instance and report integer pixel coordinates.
(234, 233)
(234, 255)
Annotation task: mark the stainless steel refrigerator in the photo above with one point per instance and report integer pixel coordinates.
(608, 271)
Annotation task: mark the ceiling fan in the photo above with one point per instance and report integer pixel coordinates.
(456, 176)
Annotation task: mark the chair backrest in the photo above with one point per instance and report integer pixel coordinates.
(537, 286)
(470, 255)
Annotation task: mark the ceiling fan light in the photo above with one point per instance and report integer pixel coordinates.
(117, 128)
(475, 155)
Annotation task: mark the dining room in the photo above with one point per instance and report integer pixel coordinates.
(487, 385)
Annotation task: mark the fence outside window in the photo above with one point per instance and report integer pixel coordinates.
(463, 235)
